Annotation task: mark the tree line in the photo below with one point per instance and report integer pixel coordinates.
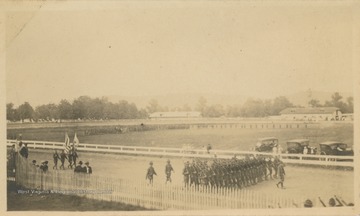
(85, 107)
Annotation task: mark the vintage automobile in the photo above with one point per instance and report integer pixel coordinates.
(266, 144)
(335, 148)
(296, 146)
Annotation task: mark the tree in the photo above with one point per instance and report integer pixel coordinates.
(201, 105)
(314, 103)
(253, 108)
(25, 111)
(48, 112)
(81, 107)
(216, 110)
(279, 104)
(153, 106)
(65, 110)
(350, 105)
(336, 101)
(11, 112)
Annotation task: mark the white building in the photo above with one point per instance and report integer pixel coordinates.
(312, 114)
(162, 115)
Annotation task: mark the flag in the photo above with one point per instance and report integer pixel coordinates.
(76, 141)
(67, 143)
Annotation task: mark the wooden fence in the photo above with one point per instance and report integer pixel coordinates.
(157, 196)
(322, 160)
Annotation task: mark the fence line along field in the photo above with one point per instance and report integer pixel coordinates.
(242, 139)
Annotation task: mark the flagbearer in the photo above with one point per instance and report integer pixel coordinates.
(62, 159)
(56, 158)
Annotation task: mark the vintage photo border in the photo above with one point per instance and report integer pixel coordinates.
(94, 5)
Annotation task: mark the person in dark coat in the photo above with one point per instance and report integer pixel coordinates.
(168, 170)
(150, 173)
(79, 168)
(186, 173)
(56, 157)
(281, 174)
(44, 166)
(62, 159)
(24, 150)
(88, 168)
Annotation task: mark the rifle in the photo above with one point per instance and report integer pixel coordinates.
(340, 202)
(322, 202)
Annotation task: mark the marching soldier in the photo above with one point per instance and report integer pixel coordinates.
(56, 157)
(150, 173)
(281, 173)
(62, 159)
(186, 173)
(168, 170)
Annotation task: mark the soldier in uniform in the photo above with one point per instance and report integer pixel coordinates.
(281, 173)
(70, 159)
(168, 170)
(62, 159)
(56, 158)
(194, 175)
(74, 155)
(150, 173)
(186, 173)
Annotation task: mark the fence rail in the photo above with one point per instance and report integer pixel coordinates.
(326, 160)
(140, 193)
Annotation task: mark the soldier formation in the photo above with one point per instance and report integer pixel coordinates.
(232, 173)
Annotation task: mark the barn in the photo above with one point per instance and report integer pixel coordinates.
(312, 114)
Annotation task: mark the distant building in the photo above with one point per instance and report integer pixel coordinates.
(167, 115)
(312, 114)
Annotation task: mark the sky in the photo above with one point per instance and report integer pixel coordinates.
(159, 48)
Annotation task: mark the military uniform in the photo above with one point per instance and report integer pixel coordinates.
(168, 170)
(150, 173)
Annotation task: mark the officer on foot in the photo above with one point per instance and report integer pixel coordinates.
(168, 170)
(150, 173)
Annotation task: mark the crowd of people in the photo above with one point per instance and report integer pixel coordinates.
(70, 155)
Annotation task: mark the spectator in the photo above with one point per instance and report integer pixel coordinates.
(305, 151)
(79, 168)
(24, 150)
(88, 168)
(44, 166)
(308, 204)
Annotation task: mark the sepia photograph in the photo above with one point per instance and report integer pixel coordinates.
(180, 107)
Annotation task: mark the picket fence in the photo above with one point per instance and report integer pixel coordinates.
(140, 193)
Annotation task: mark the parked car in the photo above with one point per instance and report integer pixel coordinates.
(335, 148)
(296, 146)
(266, 144)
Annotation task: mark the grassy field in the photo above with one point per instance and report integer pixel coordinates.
(225, 138)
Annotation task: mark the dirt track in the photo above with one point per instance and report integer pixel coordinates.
(299, 181)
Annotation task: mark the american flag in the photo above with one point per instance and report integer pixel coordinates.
(76, 141)
(67, 144)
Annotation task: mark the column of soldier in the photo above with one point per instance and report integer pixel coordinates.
(230, 173)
